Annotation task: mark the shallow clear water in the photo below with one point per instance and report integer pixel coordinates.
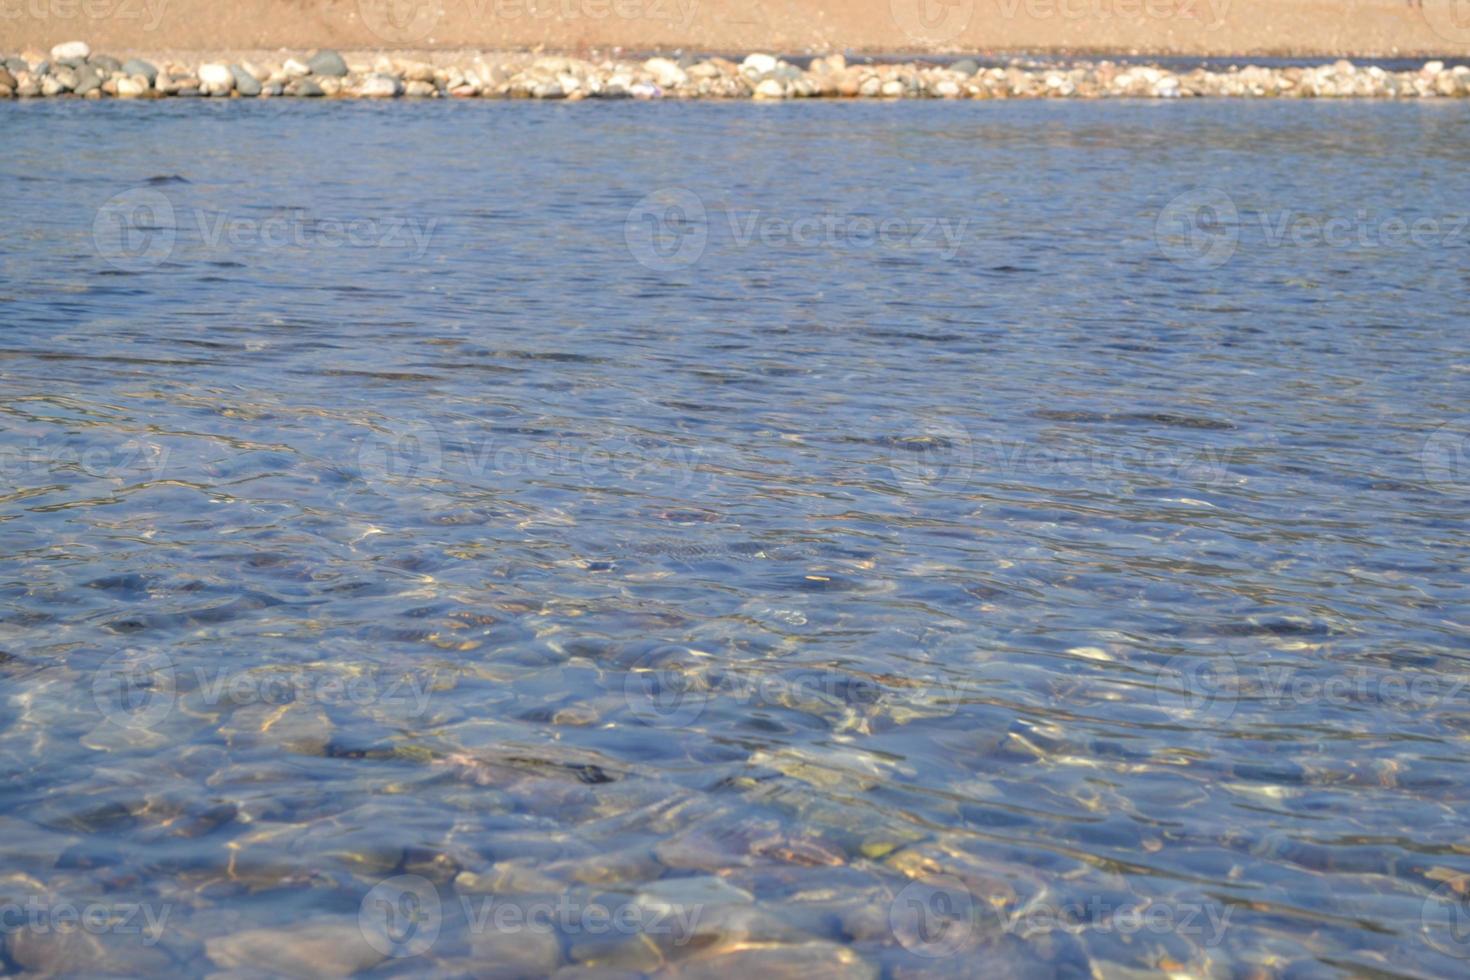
(1046, 557)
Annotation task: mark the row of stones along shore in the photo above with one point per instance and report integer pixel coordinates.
(73, 70)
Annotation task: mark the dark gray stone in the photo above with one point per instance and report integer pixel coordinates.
(306, 88)
(966, 66)
(104, 62)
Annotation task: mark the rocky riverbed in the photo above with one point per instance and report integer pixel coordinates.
(73, 70)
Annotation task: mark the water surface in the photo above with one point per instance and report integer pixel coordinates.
(961, 540)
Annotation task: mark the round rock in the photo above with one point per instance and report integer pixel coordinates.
(327, 63)
(137, 66)
(71, 51)
(245, 83)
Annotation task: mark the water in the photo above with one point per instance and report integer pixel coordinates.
(1048, 556)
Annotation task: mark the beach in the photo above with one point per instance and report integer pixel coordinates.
(1155, 27)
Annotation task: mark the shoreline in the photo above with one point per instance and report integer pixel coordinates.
(73, 70)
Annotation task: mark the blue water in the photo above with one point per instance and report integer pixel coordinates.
(1016, 539)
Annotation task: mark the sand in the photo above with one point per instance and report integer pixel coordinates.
(1161, 27)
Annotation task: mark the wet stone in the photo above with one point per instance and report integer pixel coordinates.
(513, 954)
(826, 961)
(320, 949)
(297, 727)
(82, 953)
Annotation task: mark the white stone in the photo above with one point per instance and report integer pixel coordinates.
(770, 89)
(132, 88)
(946, 89)
(69, 50)
(296, 68)
(1432, 67)
(759, 64)
(379, 87)
(665, 72)
(216, 77)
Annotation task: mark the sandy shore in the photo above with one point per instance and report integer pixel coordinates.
(1191, 27)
